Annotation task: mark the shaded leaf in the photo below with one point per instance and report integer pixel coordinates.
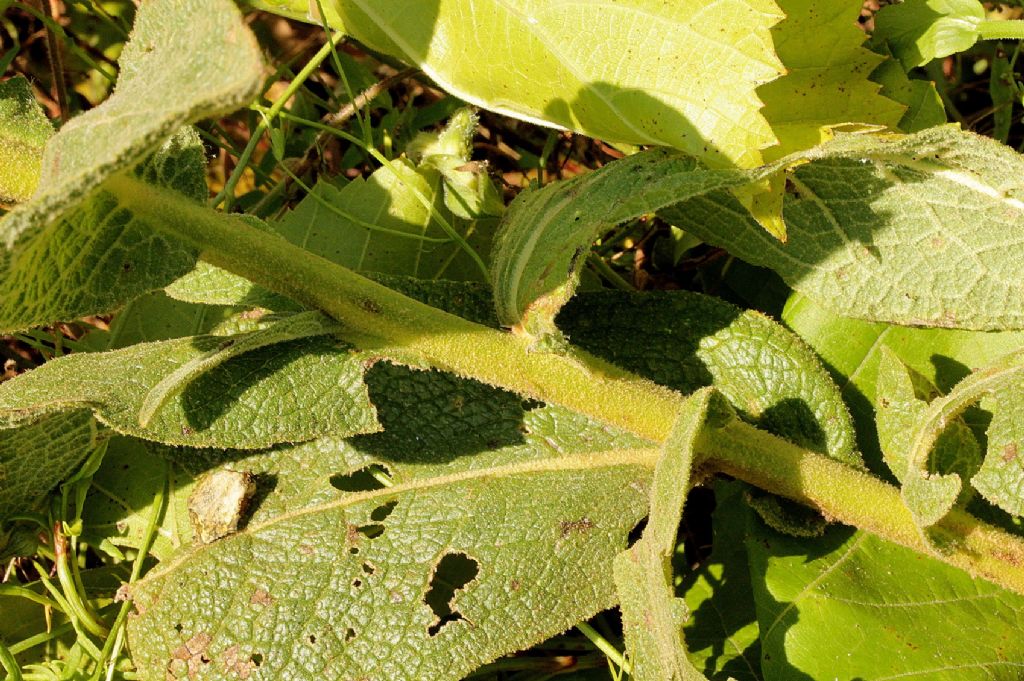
(652, 616)
(722, 633)
(97, 256)
(918, 31)
(769, 376)
(37, 456)
(851, 606)
(289, 391)
(902, 398)
(24, 130)
(596, 69)
(71, 251)
(915, 230)
(924, 108)
(852, 349)
(546, 234)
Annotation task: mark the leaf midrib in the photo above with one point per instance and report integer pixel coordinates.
(609, 459)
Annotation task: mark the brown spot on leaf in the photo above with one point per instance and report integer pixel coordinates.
(254, 313)
(261, 597)
(1010, 452)
(237, 664)
(581, 526)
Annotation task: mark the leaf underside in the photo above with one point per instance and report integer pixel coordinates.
(597, 69)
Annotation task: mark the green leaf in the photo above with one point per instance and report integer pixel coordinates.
(70, 251)
(96, 256)
(344, 584)
(851, 606)
(288, 391)
(826, 82)
(924, 108)
(24, 130)
(186, 60)
(652, 617)
(902, 398)
(1001, 476)
(600, 70)
(36, 456)
(376, 225)
(769, 376)
(722, 634)
(918, 31)
(546, 233)
(852, 349)
(121, 497)
(909, 230)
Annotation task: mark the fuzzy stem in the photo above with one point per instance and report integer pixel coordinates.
(1001, 30)
(375, 317)
(857, 498)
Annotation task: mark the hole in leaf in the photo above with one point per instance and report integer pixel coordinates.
(365, 479)
(354, 550)
(178, 628)
(452, 573)
(256, 659)
(381, 513)
(312, 638)
(356, 583)
(637, 532)
(350, 634)
(371, 531)
(368, 569)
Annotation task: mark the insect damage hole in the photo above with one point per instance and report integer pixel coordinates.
(451, 574)
(365, 479)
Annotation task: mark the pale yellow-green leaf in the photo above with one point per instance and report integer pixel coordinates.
(680, 74)
(24, 130)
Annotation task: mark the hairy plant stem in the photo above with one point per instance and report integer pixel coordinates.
(404, 330)
(1001, 30)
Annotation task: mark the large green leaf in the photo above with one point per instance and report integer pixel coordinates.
(679, 74)
(24, 130)
(852, 349)
(546, 233)
(765, 372)
(915, 230)
(34, 458)
(292, 383)
(826, 82)
(652, 616)
(722, 634)
(401, 582)
(851, 606)
(71, 251)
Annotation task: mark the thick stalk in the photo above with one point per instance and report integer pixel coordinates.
(378, 318)
(857, 498)
(375, 317)
(1001, 30)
